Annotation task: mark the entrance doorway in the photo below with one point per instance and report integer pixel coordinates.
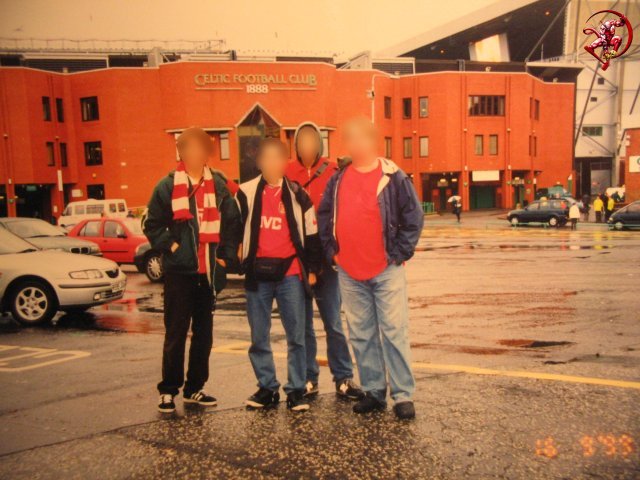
(483, 196)
(34, 201)
(257, 125)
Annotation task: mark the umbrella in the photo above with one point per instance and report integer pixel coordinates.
(454, 198)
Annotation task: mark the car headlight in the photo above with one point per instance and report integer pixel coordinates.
(95, 249)
(85, 274)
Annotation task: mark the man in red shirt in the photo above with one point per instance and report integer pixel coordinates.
(281, 256)
(312, 172)
(370, 221)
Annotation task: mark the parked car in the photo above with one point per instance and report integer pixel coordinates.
(550, 212)
(47, 236)
(122, 240)
(81, 210)
(626, 217)
(35, 283)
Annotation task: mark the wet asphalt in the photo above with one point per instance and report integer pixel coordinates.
(525, 346)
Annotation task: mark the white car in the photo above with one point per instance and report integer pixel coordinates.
(35, 284)
(77, 211)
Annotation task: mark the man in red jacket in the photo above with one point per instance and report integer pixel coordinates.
(312, 172)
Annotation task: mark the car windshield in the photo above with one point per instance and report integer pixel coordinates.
(10, 243)
(134, 226)
(33, 227)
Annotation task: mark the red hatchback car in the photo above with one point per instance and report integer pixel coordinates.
(122, 240)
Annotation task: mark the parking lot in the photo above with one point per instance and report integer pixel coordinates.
(525, 345)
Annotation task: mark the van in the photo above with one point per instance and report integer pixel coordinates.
(77, 211)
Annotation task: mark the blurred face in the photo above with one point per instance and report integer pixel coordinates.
(194, 155)
(272, 163)
(360, 142)
(308, 144)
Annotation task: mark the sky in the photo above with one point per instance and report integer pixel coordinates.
(338, 28)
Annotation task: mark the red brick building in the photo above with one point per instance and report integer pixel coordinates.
(631, 164)
(490, 137)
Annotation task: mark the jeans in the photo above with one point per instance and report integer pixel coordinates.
(188, 301)
(290, 297)
(327, 295)
(378, 317)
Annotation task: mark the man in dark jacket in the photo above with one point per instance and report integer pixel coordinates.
(280, 257)
(194, 221)
(312, 172)
(370, 221)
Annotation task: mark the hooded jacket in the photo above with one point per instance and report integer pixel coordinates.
(297, 172)
(400, 210)
(162, 231)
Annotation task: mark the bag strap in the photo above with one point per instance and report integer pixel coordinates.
(317, 173)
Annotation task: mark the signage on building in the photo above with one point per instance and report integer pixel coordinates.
(255, 82)
(485, 175)
(634, 164)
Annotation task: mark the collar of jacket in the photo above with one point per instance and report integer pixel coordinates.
(389, 168)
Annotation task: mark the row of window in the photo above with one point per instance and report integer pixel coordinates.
(423, 142)
(88, 108)
(51, 159)
(479, 105)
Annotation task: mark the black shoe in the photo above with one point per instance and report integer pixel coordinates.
(369, 403)
(311, 389)
(296, 402)
(263, 398)
(201, 398)
(347, 388)
(166, 404)
(405, 410)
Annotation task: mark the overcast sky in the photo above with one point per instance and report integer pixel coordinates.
(327, 27)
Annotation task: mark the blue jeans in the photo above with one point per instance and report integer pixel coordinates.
(327, 295)
(290, 297)
(378, 317)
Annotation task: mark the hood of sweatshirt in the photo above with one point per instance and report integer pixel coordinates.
(320, 143)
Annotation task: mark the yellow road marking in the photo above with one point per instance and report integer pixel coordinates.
(36, 353)
(240, 348)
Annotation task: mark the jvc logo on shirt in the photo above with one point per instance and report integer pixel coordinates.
(271, 223)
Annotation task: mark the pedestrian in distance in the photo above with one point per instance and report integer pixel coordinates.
(312, 171)
(457, 209)
(610, 205)
(598, 207)
(194, 221)
(370, 222)
(574, 215)
(280, 258)
(586, 207)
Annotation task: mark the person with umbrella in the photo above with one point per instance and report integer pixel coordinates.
(456, 200)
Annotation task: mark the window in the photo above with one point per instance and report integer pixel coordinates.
(63, 155)
(406, 108)
(533, 145)
(60, 110)
(93, 153)
(113, 208)
(224, 146)
(387, 147)
(424, 107)
(96, 192)
(536, 109)
(534, 206)
(424, 146)
(593, 99)
(91, 229)
(600, 81)
(46, 109)
(113, 229)
(592, 131)
(387, 107)
(493, 144)
(479, 145)
(407, 147)
(325, 143)
(95, 209)
(486, 105)
(89, 106)
(51, 159)
(79, 209)
(121, 207)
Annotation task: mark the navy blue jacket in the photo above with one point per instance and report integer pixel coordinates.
(400, 210)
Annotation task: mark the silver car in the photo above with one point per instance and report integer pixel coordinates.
(35, 284)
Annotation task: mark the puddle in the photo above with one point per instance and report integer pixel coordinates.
(522, 343)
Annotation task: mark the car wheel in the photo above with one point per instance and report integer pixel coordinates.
(619, 225)
(33, 302)
(553, 222)
(515, 221)
(153, 267)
